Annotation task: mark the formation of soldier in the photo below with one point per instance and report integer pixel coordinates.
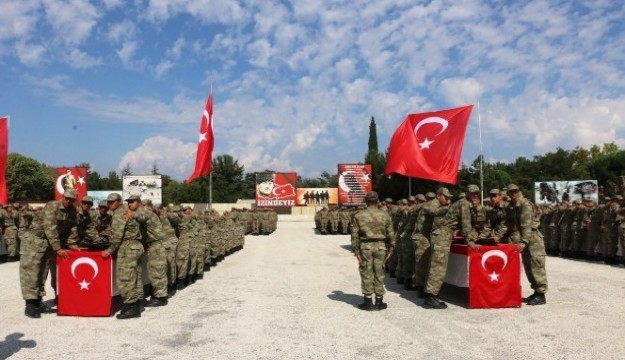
(423, 228)
(333, 220)
(181, 245)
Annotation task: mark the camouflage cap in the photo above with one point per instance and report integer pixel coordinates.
(443, 191)
(618, 197)
(461, 195)
(16, 205)
(70, 194)
(388, 200)
(113, 197)
(147, 202)
(133, 197)
(87, 199)
(175, 208)
(430, 195)
(403, 202)
(411, 198)
(372, 196)
(494, 192)
(103, 203)
(421, 197)
(607, 198)
(473, 188)
(512, 187)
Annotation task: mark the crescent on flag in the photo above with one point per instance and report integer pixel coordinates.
(86, 261)
(498, 253)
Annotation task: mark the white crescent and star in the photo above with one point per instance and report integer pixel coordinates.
(425, 144)
(59, 184)
(84, 285)
(494, 277)
(81, 180)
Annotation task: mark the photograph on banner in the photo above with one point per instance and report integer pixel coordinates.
(354, 183)
(148, 186)
(554, 192)
(317, 196)
(276, 189)
(70, 178)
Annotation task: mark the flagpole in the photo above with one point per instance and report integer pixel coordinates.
(479, 125)
(210, 175)
(409, 186)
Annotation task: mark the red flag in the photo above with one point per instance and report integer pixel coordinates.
(204, 157)
(84, 284)
(429, 145)
(495, 280)
(4, 149)
(70, 178)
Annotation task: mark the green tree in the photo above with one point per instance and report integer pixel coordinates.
(27, 179)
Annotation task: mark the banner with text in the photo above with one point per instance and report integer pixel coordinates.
(148, 186)
(354, 183)
(317, 196)
(70, 178)
(554, 192)
(276, 189)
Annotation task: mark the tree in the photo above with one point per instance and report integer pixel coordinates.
(27, 179)
(373, 136)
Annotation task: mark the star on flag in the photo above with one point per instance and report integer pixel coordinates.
(84, 285)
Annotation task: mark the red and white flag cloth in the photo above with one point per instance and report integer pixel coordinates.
(429, 145)
(4, 152)
(84, 284)
(206, 142)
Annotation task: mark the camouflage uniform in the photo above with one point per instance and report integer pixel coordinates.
(9, 220)
(153, 237)
(36, 256)
(170, 242)
(371, 229)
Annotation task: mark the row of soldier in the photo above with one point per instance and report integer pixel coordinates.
(180, 245)
(334, 220)
(585, 230)
(422, 229)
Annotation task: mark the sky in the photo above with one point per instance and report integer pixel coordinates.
(115, 83)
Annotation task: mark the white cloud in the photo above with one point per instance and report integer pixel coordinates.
(121, 31)
(260, 52)
(163, 67)
(126, 52)
(177, 161)
(72, 20)
(226, 12)
(460, 91)
(18, 18)
(30, 54)
(81, 60)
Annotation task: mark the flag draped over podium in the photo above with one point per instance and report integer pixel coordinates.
(84, 284)
(494, 277)
(206, 142)
(429, 145)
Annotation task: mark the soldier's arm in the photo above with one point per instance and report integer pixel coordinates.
(355, 236)
(390, 235)
(525, 226)
(118, 226)
(50, 227)
(465, 223)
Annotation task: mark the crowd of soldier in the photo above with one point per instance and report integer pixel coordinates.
(333, 220)
(180, 245)
(424, 226)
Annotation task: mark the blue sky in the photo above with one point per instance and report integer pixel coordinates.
(113, 82)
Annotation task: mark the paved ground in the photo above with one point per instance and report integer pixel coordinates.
(292, 295)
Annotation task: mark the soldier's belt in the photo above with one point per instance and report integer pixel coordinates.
(372, 240)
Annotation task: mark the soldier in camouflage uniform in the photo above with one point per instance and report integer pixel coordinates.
(458, 217)
(400, 224)
(334, 218)
(612, 227)
(344, 219)
(103, 221)
(594, 231)
(324, 217)
(554, 230)
(170, 242)
(87, 232)
(153, 236)
(126, 242)
(430, 215)
(9, 221)
(565, 229)
(522, 222)
(371, 229)
(44, 234)
(408, 250)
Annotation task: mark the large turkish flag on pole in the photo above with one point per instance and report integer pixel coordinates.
(494, 277)
(4, 149)
(84, 284)
(429, 145)
(206, 142)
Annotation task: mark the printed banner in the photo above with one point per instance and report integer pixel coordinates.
(354, 183)
(276, 189)
(71, 178)
(84, 284)
(317, 196)
(554, 192)
(149, 186)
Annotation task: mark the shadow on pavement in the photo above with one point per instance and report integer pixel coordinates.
(13, 343)
(351, 299)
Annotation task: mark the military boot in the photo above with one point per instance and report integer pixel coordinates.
(420, 292)
(379, 303)
(43, 308)
(132, 311)
(32, 310)
(171, 290)
(432, 302)
(367, 305)
(156, 301)
(180, 284)
(400, 280)
(200, 276)
(537, 299)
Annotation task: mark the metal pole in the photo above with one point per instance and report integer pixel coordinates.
(409, 186)
(479, 124)
(210, 191)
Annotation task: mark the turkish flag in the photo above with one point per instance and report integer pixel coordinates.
(70, 178)
(204, 157)
(429, 145)
(84, 284)
(494, 277)
(4, 149)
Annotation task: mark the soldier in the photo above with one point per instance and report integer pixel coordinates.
(429, 216)
(371, 229)
(612, 228)
(565, 229)
(126, 243)
(333, 214)
(522, 224)
(102, 222)
(153, 237)
(408, 250)
(87, 233)
(594, 231)
(458, 217)
(9, 220)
